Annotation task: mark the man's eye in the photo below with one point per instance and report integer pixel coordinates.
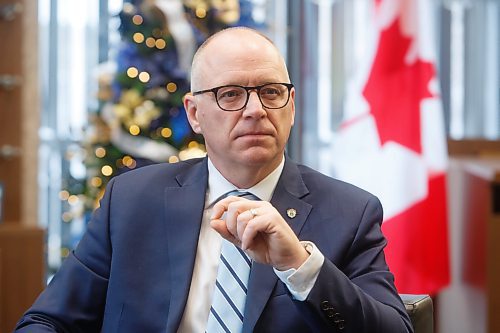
(229, 94)
(269, 92)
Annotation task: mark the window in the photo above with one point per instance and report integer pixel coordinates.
(75, 36)
(328, 39)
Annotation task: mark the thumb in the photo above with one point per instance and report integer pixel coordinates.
(218, 211)
(220, 226)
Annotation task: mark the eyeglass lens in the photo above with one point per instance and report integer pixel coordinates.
(232, 98)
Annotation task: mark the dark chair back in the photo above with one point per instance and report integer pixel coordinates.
(421, 312)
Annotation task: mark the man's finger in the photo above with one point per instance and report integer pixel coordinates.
(220, 227)
(252, 228)
(242, 222)
(222, 206)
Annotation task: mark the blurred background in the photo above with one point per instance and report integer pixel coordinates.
(400, 97)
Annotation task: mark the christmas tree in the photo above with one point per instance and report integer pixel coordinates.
(141, 119)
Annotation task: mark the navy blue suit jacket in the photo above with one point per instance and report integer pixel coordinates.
(132, 270)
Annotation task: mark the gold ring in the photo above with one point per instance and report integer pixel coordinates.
(253, 211)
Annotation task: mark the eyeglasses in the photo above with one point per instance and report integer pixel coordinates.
(235, 98)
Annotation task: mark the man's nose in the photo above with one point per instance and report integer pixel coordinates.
(254, 106)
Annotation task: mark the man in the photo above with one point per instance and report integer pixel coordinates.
(149, 261)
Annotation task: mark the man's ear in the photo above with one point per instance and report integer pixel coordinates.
(192, 112)
(292, 101)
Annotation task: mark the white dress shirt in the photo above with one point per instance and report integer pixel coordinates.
(299, 281)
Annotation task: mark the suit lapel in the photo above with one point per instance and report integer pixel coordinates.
(287, 195)
(183, 210)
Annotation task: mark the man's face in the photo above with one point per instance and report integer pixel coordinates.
(254, 136)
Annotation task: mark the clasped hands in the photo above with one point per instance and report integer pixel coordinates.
(258, 229)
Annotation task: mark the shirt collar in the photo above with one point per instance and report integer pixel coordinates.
(218, 185)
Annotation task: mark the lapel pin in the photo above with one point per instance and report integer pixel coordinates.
(291, 213)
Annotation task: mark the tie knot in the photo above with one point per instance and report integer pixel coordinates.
(238, 193)
(242, 194)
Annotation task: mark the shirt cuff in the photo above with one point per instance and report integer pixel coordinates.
(300, 281)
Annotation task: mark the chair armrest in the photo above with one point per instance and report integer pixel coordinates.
(421, 312)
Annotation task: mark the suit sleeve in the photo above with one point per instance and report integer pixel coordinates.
(361, 296)
(74, 300)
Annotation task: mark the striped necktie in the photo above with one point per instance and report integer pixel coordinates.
(228, 303)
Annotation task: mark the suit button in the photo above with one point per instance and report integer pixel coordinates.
(337, 318)
(325, 305)
(340, 324)
(330, 313)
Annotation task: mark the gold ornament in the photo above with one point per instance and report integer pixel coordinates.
(193, 152)
(121, 111)
(131, 98)
(227, 11)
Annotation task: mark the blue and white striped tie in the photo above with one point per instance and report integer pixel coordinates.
(230, 293)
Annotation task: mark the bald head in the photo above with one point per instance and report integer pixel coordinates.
(231, 41)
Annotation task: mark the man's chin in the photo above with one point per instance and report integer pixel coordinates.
(259, 155)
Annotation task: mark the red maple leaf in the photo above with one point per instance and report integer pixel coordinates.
(394, 89)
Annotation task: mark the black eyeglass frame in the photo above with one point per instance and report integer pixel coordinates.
(248, 90)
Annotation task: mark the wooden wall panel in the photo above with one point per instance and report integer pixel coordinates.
(19, 111)
(493, 249)
(22, 264)
(482, 258)
(30, 114)
(21, 271)
(472, 302)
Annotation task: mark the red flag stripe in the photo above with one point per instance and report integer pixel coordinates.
(417, 250)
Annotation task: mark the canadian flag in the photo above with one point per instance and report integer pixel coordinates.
(392, 142)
